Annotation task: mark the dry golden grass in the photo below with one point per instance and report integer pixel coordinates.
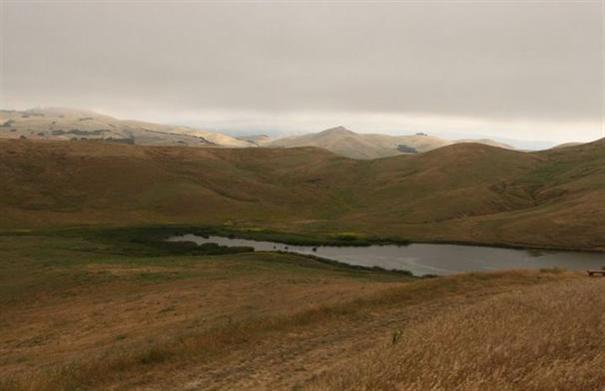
(466, 193)
(75, 315)
(86, 313)
(539, 338)
(243, 321)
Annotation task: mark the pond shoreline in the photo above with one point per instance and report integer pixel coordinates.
(290, 238)
(417, 258)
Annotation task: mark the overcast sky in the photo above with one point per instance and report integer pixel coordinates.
(508, 69)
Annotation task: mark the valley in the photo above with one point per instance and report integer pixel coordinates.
(464, 193)
(302, 195)
(94, 297)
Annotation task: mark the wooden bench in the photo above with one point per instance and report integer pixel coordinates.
(592, 273)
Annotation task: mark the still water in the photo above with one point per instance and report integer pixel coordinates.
(421, 259)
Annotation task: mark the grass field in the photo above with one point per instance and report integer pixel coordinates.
(75, 306)
(540, 338)
(96, 310)
(91, 297)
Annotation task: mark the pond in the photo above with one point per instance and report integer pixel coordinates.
(422, 259)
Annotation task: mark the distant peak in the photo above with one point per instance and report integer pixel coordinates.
(338, 130)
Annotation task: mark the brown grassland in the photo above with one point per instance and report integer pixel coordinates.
(462, 193)
(79, 313)
(85, 304)
(547, 337)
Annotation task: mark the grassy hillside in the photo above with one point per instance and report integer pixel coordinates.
(94, 310)
(104, 308)
(550, 341)
(86, 309)
(89, 183)
(463, 192)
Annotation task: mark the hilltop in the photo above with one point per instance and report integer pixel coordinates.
(257, 139)
(345, 142)
(464, 192)
(64, 124)
(566, 145)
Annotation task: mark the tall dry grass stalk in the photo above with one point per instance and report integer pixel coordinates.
(533, 339)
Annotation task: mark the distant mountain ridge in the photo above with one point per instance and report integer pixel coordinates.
(70, 124)
(345, 142)
(258, 139)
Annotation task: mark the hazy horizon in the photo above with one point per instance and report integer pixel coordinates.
(527, 71)
(277, 133)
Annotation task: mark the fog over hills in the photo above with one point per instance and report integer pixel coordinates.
(507, 72)
(70, 124)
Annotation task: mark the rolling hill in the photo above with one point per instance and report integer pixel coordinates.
(62, 124)
(462, 193)
(566, 145)
(347, 143)
(69, 124)
(133, 308)
(257, 139)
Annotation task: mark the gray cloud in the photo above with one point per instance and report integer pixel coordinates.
(495, 62)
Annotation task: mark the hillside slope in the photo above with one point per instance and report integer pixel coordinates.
(463, 192)
(88, 310)
(548, 342)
